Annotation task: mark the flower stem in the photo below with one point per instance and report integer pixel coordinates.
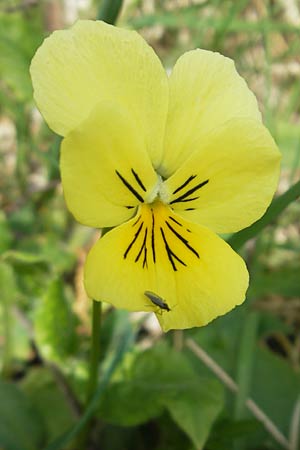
(95, 350)
(109, 10)
(276, 208)
(93, 372)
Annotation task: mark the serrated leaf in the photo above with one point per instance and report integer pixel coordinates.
(21, 428)
(55, 323)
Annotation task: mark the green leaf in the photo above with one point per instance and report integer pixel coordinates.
(49, 400)
(160, 379)
(273, 378)
(55, 323)
(227, 431)
(283, 281)
(21, 428)
(196, 409)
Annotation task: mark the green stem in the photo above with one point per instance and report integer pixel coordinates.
(245, 361)
(7, 351)
(109, 10)
(277, 206)
(95, 350)
(64, 440)
(93, 373)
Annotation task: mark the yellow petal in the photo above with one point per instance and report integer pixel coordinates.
(75, 69)
(229, 182)
(105, 169)
(205, 92)
(194, 272)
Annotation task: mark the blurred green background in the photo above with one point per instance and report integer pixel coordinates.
(161, 395)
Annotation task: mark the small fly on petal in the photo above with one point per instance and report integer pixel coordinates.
(157, 301)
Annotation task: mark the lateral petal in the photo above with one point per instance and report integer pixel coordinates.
(230, 181)
(106, 171)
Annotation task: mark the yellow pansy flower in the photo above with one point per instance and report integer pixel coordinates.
(167, 161)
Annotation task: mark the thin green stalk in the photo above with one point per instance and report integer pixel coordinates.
(93, 372)
(95, 350)
(277, 206)
(245, 361)
(109, 10)
(124, 341)
(267, 72)
(7, 350)
(296, 161)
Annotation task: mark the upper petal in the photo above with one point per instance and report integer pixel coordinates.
(205, 92)
(105, 168)
(194, 272)
(230, 180)
(75, 69)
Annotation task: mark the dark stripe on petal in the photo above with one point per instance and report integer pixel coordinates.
(131, 189)
(145, 259)
(139, 181)
(189, 192)
(184, 184)
(182, 239)
(171, 254)
(139, 218)
(142, 247)
(174, 220)
(189, 199)
(152, 239)
(133, 241)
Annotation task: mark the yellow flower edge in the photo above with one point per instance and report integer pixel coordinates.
(168, 162)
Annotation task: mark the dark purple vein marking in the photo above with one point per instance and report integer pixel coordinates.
(139, 181)
(182, 239)
(171, 254)
(176, 221)
(130, 188)
(137, 220)
(183, 185)
(152, 239)
(143, 247)
(133, 241)
(189, 192)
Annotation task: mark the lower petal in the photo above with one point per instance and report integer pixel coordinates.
(194, 275)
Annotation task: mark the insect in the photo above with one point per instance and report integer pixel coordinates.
(156, 300)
